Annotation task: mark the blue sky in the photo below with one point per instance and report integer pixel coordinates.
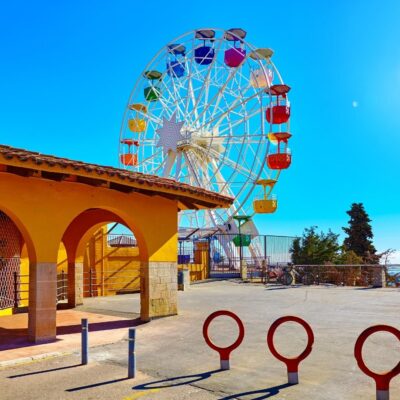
(67, 68)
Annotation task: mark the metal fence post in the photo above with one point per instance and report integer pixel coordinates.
(131, 353)
(15, 289)
(265, 247)
(90, 282)
(85, 342)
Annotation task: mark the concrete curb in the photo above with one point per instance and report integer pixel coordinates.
(38, 357)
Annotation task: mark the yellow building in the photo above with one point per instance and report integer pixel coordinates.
(51, 200)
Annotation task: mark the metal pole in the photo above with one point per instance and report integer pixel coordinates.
(15, 290)
(209, 257)
(131, 353)
(85, 341)
(62, 285)
(240, 247)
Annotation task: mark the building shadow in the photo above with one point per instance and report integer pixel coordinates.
(14, 338)
(43, 371)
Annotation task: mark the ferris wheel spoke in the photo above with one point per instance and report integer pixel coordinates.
(221, 95)
(241, 103)
(217, 96)
(235, 166)
(240, 122)
(190, 93)
(171, 101)
(206, 79)
(192, 165)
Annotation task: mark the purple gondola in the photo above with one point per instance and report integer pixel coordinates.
(235, 56)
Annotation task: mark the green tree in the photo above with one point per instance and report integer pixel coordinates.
(314, 247)
(359, 234)
(349, 258)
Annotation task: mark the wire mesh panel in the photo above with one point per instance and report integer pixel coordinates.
(10, 261)
(228, 250)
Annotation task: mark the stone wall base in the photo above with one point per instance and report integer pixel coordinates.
(159, 290)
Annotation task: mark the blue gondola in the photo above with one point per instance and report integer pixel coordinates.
(204, 55)
(176, 68)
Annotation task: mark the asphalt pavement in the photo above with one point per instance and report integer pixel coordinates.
(174, 361)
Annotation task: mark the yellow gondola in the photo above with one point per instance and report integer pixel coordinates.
(266, 205)
(137, 124)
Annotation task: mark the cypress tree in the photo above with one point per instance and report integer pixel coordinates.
(359, 234)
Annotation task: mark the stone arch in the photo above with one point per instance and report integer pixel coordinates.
(76, 237)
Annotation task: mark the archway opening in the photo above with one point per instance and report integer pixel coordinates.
(104, 260)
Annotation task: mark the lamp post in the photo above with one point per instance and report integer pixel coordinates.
(242, 219)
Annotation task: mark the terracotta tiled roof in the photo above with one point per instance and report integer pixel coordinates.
(32, 160)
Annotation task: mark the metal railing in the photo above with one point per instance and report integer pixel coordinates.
(97, 282)
(19, 295)
(121, 240)
(62, 286)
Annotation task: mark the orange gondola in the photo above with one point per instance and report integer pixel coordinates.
(130, 158)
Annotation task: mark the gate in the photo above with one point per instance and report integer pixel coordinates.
(10, 261)
(226, 251)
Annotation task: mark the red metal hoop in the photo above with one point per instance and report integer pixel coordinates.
(224, 352)
(292, 364)
(382, 380)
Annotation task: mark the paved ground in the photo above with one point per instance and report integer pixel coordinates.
(107, 327)
(175, 363)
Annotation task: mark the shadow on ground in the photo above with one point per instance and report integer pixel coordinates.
(264, 393)
(14, 338)
(177, 381)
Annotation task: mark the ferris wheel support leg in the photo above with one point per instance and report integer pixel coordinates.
(169, 164)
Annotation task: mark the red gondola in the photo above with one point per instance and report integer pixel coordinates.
(280, 160)
(279, 113)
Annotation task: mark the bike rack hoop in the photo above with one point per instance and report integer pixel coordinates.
(224, 352)
(292, 363)
(382, 380)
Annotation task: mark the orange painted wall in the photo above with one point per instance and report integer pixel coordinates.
(114, 269)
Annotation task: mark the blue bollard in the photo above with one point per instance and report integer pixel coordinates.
(85, 341)
(131, 353)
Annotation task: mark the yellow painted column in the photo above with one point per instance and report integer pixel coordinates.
(158, 275)
(42, 301)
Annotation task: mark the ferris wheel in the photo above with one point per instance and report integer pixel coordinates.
(211, 110)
